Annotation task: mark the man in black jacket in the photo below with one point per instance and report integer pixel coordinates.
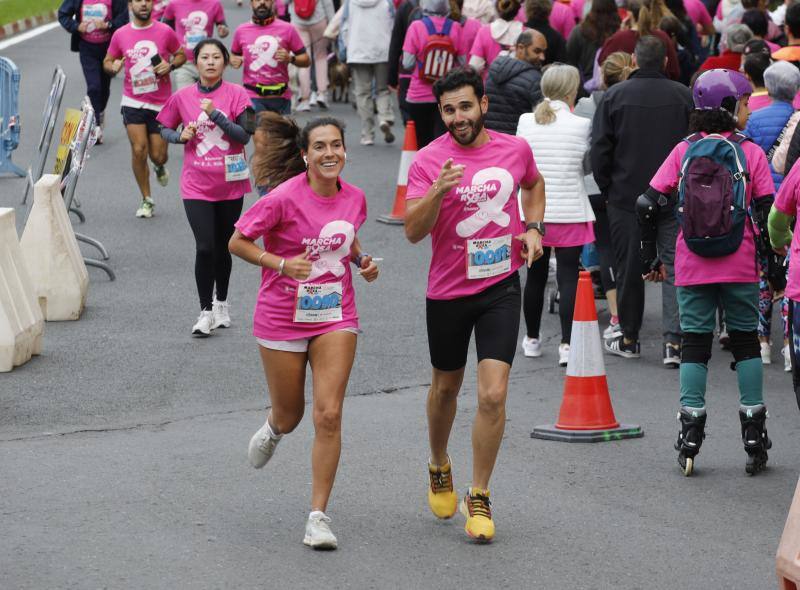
(91, 24)
(538, 14)
(513, 83)
(636, 126)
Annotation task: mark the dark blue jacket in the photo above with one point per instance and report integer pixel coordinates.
(69, 15)
(764, 127)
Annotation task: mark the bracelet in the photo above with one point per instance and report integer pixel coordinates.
(292, 58)
(260, 257)
(281, 265)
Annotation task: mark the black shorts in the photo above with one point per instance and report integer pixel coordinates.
(494, 313)
(132, 116)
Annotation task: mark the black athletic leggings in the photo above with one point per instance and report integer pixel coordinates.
(427, 121)
(212, 225)
(567, 260)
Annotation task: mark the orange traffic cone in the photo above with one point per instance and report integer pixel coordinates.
(586, 414)
(409, 149)
(787, 560)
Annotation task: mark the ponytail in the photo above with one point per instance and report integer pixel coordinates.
(277, 150)
(559, 82)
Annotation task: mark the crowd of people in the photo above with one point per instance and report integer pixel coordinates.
(661, 133)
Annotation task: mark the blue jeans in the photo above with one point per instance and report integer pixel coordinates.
(282, 106)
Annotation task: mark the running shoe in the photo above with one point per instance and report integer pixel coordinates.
(442, 500)
(614, 329)
(222, 316)
(563, 354)
(303, 107)
(262, 446)
(386, 129)
(787, 359)
(477, 508)
(318, 531)
(145, 210)
(322, 100)
(312, 100)
(532, 347)
(162, 175)
(620, 348)
(203, 326)
(766, 353)
(672, 355)
(367, 141)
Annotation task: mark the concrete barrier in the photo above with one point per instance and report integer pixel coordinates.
(21, 322)
(788, 558)
(52, 256)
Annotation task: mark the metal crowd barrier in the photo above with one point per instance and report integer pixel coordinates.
(49, 118)
(86, 137)
(9, 116)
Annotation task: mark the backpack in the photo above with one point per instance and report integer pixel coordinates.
(305, 8)
(712, 188)
(439, 54)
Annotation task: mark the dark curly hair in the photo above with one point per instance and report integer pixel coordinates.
(458, 78)
(711, 121)
(601, 22)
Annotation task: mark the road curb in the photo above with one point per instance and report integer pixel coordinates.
(27, 24)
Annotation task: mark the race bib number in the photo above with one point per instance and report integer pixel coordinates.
(236, 168)
(193, 38)
(318, 303)
(144, 82)
(97, 11)
(488, 257)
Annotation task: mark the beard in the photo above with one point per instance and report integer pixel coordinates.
(263, 13)
(143, 15)
(475, 127)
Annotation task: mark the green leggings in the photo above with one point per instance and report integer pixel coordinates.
(698, 308)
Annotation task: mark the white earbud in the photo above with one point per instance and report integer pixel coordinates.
(306, 161)
(345, 155)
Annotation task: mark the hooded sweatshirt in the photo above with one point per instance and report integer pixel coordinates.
(367, 24)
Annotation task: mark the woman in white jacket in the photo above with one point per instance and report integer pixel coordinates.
(560, 143)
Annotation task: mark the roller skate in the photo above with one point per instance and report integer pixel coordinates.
(690, 438)
(754, 436)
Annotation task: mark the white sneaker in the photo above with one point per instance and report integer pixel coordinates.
(204, 325)
(563, 354)
(787, 359)
(318, 531)
(367, 141)
(532, 347)
(222, 315)
(303, 106)
(612, 331)
(766, 351)
(312, 100)
(262, 446)
(145, 210)
(322, 100)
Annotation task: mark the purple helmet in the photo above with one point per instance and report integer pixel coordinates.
(714, 86)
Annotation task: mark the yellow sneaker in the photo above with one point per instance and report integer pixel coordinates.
(477, 508)
(441, 497)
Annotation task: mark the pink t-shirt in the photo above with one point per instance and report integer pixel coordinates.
(214, 166)
(473, 238)
(697, 12)
(788, 202)
(562, 19)
(138, 46)
(194, 21)
(485, 46)
(96, 10)
(291, 219)
(415, 41)
(470, 28)
(258, 44)
(759, 100)
(159, 6)
(739, 267)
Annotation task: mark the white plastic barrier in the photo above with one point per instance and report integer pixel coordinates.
(21, 323)
(52, 256)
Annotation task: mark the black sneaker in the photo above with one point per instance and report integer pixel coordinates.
(617, 346)
(672, 355)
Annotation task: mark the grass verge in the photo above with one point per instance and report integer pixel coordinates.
(14, 10)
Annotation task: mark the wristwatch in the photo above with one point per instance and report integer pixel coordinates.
(292, 58)
(537, 225)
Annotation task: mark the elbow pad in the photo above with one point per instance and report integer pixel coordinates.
(648, 207)
(775, 270)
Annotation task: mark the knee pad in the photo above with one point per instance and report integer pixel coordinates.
(696, 348)
(744, 346)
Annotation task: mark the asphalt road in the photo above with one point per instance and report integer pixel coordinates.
(123, 447)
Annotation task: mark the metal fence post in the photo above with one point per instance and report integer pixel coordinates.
(9, 116)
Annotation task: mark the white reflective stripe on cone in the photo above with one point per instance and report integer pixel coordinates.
(585, 351)
(406, 158)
